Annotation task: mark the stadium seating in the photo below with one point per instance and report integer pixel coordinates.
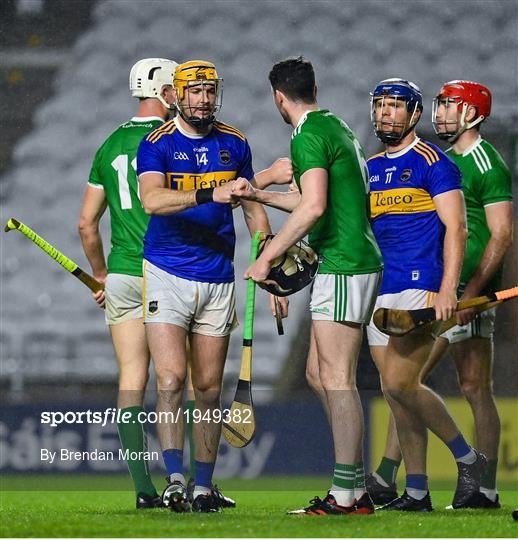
(352, 44)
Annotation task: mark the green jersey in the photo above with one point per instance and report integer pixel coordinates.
(486, 180)
(342, 236)
(114, 170)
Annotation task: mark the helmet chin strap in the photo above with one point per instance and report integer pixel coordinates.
(392, 139)
(194, 121)
(168, 106)
(198, 123)
(453, 137)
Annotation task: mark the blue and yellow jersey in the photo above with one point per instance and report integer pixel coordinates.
(404, 220)
(196, 243)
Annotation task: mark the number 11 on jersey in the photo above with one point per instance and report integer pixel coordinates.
(120, 164)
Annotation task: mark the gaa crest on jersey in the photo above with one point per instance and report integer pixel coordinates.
(405, 175)
(224, 157)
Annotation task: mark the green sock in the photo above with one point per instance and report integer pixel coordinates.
(388, 469)
(488, 479)
(134, 439)
(190, 434)
(359, 482)
(344, 476)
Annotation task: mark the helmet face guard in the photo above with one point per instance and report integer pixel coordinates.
(391, 91)
(461, 95)
(201, 76)
(449, 130)
(291, 271)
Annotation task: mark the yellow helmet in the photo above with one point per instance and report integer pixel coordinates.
(194, 73)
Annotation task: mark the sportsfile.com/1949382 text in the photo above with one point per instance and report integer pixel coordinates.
(114, 415)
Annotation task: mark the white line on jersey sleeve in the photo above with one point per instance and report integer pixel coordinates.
(149, 172)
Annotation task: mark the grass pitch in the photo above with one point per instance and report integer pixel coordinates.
(57, 508)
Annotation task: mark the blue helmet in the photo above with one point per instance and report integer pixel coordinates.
(396, 89)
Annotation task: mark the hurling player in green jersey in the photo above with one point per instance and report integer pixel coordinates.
(113, 184)
(458, 112)
(330, 171)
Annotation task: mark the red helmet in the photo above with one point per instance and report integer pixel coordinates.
(469, 92)
(464, 94)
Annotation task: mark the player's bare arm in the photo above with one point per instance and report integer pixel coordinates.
(452, 212)
(286, 201)
(255, 217)
(257, 220)
(93, 207)
(313, 202)
(161, 201)
(280, 172)
(499, 218)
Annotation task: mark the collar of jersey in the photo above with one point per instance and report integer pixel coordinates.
(470, 149)
(302, 119)
(404, 151)
(187, 134)
(146, 118)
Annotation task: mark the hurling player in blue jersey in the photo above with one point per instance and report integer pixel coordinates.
(186, 168)
(418, 219)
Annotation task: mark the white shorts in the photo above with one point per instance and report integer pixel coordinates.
(483, 326)
(123, 298)
(408, 299)
(201, 308)
(341, 298)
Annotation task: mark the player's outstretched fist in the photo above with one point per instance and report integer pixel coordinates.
(281, 171)
(243, 189)
(223, 194)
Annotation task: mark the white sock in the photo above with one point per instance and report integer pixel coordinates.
(201, 490)
(343, 497)
(416, 493)
(468, 459)
(379, 479)
(489, 493)
(177, 477)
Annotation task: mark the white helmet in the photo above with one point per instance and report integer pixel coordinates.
(148, 76)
